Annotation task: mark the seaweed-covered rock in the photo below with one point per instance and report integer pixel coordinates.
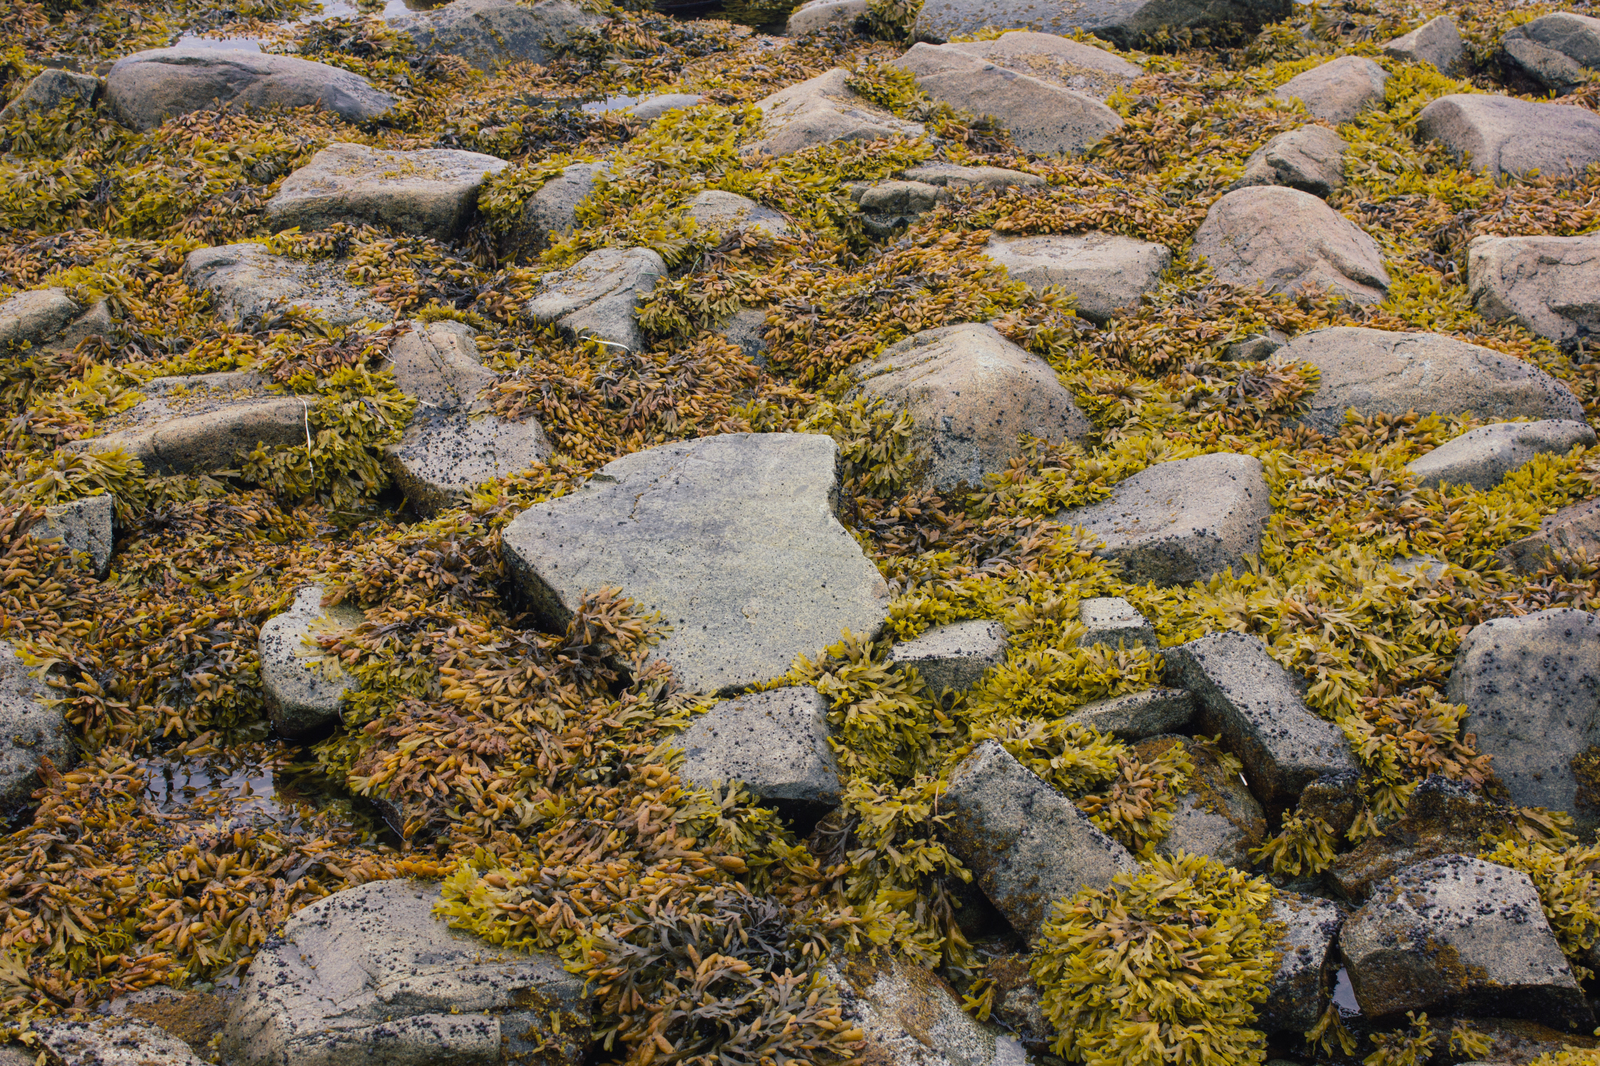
(1299, 991)
(953, 656)
(493, 33)
(34, 316)
(553, 210)
(1137, 715)
(432, 192)
(30, 732)
(1338, 90)
(1215, 815)
(147, 88)
(888, 205)
(50, 89)
(1436, 42)
(814, 15)
(1557, 50)
(1027, 843)
(1373, 371)
(732, 537)
(1075, 65)
(910, 1017)
(304, 691)
(83, 525)
(371, 974)
(1550, 285)
(1483, 457)
(599, 295)
(775, 742)
(1310, 159)
(1244, 695)
(247, 283)
(1442, 817)
(951, 176)
(1458, 933)
(823, 110)
(717, 213)
(1112, 620)
(746, 329)
(1122, 22)
(1105, 271)
(1284, 239)
(1500, 135)
(1571, 532)
(1181, 521)
(113, 1042)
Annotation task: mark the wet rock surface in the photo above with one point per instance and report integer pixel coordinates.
(599, 295)
(1215, 815)
(1301, 987)
(305, 689)
(1502, 136)
(1338, 90)
(493, 33)
(1483, 457)
(248, 283)
(1547, 284)
(1107, 273)
(953, 656)
(31, 731)
(1286, 240)
(1310, 159)
(774, 742)
(821, 111)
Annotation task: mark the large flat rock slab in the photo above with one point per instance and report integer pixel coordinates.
(1501, 135)
(1284, 240)
(732, 538)
(1107, 272)
(1550, 285)
(1122, 22)
(823, 110)
(246, 282)
(493, 33)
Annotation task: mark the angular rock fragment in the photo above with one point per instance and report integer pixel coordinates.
(1215, 815)
(1338, 90)
(717, 213)
(304, 691)
(774, 742)
(553, 210)
(823, 110)
(1105, 271)
(428, 193)
(113, 1042)
(1180, 521)
(1571, 532)
(1310, 159)
(954, 656)
(1550, 285)
(888, 205)
(910, 1017)
(1244, 695)
(1137, 715)
(1457, 933)
(1028, 844)
(1558, 50)
(30, 732)
(971, 394)
(1442, 817)
(1075, 65)
(599, 296)
(1299, 990)
(1483, 457)
(1122, 22)
(732, 537)
(493, 33)
(951, 176)
(1284, 239)
(1500, 135)
(815, 15)
(83, 526)
(1436, 42)
(247, 282)
(1113, 621)
(371, 974)
(50, 89)
(34, 316)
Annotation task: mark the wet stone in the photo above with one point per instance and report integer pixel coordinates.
(1300, 989)
(599, 296)
(774, 742)
(247, 283)
(953, 656)
(83, 526)
(1215, 814)
(746, 330)
(305, 690)
(1137, 715)
(1441, 817)
(1113, 621)
(888, 205)
(1483, 457)
(1107, 272)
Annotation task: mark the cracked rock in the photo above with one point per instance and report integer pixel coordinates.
(1550, 285)
(1483, 457)
(910, 1017)
(954, 656)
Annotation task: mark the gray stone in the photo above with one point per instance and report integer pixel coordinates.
(1138, 714)
(1180, 521)
(888, 205)
(910, 1017)
(1532, 689)
(113, 1042)
(775, 742)
(717, 214)
(649, 108)
(814, 15)
(1570, 533)
(1338, 90)
(1244, 695)
(746, 329)
(1373, 371)
(823, 110)
(427, 193)
(599, 296)
(1122, 22)
(49, 90)
(1043, 117)
(733, 538)
(1075, 65)
(1430, 567)
(83, 526)
(1107, 272)
(553, 210)
(1500, 135)
(1550, 285)
(369, 974)
(34, 316)
(493, 33)
(247, 283)
(305, 690)
(1310, 159)
(147, 88)
(1441, 817)
(1215, 815)
(1256, 348)
(1027, 844)
(1113, 621)
(1457, 934)
(1300, 989)
(1483, 457)
(1436, 42)
(30, 732)
(1557, 50)
(954, 656)
(951, 176)
(1284, 239)
(971, 394)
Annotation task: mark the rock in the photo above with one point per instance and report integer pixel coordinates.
(888, 205)
(1457, 933)
(1113, 621)
(717, 214)
(1215, 816)
(1300, 989)
(1027, 844)
(1310, 159)
(599, 296)
(1531, 685)
(649, 108)
(454, 442)
(1256, 348)
(1138, 714)
(370, 974)
(113, 1042)
(746, 330)
(954, 656)
(1180, 521)
(1122, 22)
(427, 193)
(30, 732)
(1557, 50)
(950, 176)
(35, 316)
(1546, 284)
(1074, 65)
(1043, 117)
(910, 1017)
(305, 690)
(247, 283)
(1571, 532)
(1500, 135)
(775, 742)
(553, 210)
(1252, 702)
(1017, 1003)
(732, 537)
(49, 90)
(1332, 798)
(971, 394)
(1107, 272)
(1430, 567)
(1436, 42)
(83, 526)
(823, 110)
(1338, 90)
(1373, 371)
(493, 33)
(1285, 239)
(1483, 457)
(814, 15)
(147, 88)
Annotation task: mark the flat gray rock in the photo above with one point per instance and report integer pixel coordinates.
(1107, 272)
(1557, 50)
(1075, 65)
(1215, 814)
(1572, 531)
(1338, 90)
(51, 89)
(971, 395)
(1460, 935)
(775, 742)
(29, 731)
(83, 526)
(1436, 42)
(888, 205)
(370, 975)
(1284, 239)
(814, 15)
(717, 214)
(1500, 135)
(304, 690)
(113, 1042)
(1113, 621)
(246, 282)
(1244, 695)
(599, 296)
(35, 316)
(493, 33)
(1310, 159)
(553, 210)
(1137, 715)
(954, 656)
(1180, 521)
(951, 176)
(1550, 285)
(823, 110)
(1027, 844)
(1373, 371)
(908, 1016)
(732, 538)
(147, 88)
(1122, 22)
(428, 193)
(1483, 457)
(1301, 986)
